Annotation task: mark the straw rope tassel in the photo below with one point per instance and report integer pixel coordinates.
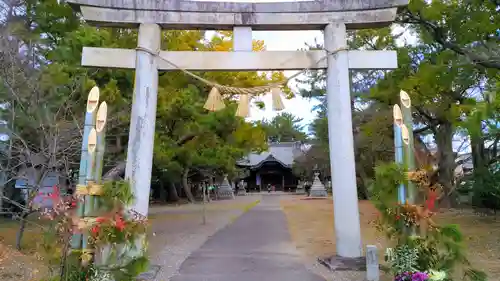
(277, 101)
(214, 101)
(243, 106)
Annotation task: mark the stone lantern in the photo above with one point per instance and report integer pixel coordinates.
(317, 188)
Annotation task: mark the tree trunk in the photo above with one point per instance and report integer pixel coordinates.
(186, 187)
(2, 188)
(20, 232)
(480, 170)
(446, 161)
(179, 189)
(172, 192)
(479, 157)
(163, 194)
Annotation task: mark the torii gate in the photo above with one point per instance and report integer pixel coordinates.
(332, 16)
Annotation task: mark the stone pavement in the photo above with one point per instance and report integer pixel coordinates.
(256, 247)
(178, 231)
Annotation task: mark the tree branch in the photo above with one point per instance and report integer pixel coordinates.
(439, 36)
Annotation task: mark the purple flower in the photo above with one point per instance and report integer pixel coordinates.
(419, 276)
(412, 276)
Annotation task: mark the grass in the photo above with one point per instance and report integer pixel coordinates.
(23, 265)
(8, 232)
(311, 224)
(245, 208)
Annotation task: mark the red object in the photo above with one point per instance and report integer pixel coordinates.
(95, 229)
(100, 219)
(55, 195)
(398, 217)
(119, 223)
(431, 199)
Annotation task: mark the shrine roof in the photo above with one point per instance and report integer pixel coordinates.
(284, 153)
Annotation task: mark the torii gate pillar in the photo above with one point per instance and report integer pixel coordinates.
(332, 16)
(142, 120)
(341, 145)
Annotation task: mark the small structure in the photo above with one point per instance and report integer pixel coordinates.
(317, 188)
(372, 265)
(273, 167)
(242, 188)
(225, 191)
(43, 199)
(300, 188)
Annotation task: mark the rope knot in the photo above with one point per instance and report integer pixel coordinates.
(147, 50)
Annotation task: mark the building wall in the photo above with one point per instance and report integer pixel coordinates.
(273, 173)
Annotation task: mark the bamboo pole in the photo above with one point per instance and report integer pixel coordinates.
(102, 114)
(101, 255)
(90, 119)
(409, 156)
(89, 210)
(398, 147)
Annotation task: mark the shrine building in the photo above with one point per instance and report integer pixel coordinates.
(273, 166)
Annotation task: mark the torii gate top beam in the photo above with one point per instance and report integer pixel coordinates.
(186, 14)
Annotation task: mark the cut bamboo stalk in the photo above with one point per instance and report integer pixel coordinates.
(409, 156)
(398, 148)
(90, 119)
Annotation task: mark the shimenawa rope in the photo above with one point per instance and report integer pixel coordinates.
(215, 101)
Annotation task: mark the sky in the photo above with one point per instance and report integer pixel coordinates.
(285, 41)
(299, 106)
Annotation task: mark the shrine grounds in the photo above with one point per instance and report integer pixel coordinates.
(178, 231)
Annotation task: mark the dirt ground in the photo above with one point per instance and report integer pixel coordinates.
(311, 224)
(167, 221)
(14, 265)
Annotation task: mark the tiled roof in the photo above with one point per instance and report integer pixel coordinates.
(285, 152)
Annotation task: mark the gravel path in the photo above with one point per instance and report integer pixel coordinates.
(256, 247)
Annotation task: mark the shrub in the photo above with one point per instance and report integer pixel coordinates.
(424, 250)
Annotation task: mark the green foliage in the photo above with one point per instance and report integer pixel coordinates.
(284, 127)
(316, 157)
(73, 270)
(127, 272)
(116, 192)
(402, 259)
(440, 248)
(384, 189)
(467, 28)
(486, 189)
(443, 250)
(49, 247)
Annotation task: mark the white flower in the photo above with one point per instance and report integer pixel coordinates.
(100, 275)
(435, 275)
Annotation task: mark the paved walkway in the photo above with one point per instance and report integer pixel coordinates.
(256, 247)
(179, 231)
